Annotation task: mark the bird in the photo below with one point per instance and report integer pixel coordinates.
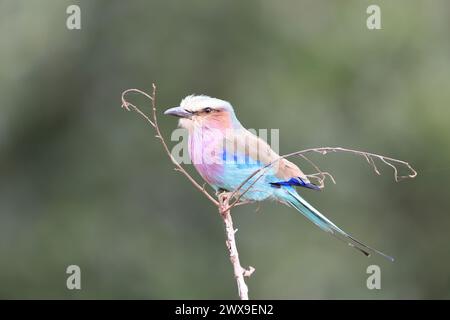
(226, 154)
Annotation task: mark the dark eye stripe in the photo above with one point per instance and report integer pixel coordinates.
(204, 110)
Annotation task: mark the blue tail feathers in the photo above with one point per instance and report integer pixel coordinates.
(300, 204)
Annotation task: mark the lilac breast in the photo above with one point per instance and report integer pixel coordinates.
(205, 150)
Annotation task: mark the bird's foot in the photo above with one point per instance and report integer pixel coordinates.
(220, 191)
(224, 197)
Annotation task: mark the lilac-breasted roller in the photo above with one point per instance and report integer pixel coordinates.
(225, 154)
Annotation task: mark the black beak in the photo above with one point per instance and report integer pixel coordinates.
(178, 112)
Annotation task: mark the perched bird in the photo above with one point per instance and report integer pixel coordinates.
(226, 154)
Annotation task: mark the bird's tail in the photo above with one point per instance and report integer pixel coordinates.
(296, 201)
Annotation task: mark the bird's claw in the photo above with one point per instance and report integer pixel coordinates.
(223, 196)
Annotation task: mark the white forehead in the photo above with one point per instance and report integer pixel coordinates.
(196, 103)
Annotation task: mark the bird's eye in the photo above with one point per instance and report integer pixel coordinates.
(207, 110)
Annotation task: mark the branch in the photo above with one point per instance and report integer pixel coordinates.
(239, 271)
(154, 123)
(320, 176)
(369, 158)
(222, 204)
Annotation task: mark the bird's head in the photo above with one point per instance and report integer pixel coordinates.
(203, 111)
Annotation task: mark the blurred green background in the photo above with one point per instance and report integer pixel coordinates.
(84, 182)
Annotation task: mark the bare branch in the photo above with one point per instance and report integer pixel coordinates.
(320, 176)
(224, 205)
(154, 123)
(370, 156)
(239, 272)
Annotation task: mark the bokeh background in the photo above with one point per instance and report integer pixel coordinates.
(84, 182)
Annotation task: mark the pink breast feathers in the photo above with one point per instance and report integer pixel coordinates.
(205, 151)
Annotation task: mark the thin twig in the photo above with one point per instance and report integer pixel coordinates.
(224, 205)
(239, 271)
(323, 150)
(320, 176)
(154, 123)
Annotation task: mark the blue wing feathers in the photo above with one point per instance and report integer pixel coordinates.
(295, 182)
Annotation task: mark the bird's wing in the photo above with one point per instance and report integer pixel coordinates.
(245, 142)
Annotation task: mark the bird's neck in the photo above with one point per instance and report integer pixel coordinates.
(217, 124)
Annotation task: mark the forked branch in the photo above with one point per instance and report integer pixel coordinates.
(223, 202)
(224, 209)
(320, 175)
(154, 123)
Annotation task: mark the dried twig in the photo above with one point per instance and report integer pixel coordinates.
(126, 105)
(239, 271)
(321, 175)
(222, 204)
